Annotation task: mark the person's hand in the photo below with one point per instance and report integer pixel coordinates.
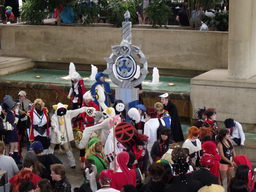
(233, 164)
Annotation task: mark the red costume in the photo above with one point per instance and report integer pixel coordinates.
(87, 120)
(127, 176)
(243, 160)
(211, 158)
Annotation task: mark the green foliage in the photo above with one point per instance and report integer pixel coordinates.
(159, 12)
(117, 8)
(219, 22)
(87, 10)
(34, 11)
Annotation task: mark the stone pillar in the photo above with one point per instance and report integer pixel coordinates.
(242, 39)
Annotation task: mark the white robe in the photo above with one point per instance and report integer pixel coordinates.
(56, 133)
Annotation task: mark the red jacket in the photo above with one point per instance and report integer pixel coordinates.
(86, 119)
(31, 116)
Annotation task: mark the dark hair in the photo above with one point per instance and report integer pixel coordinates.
(238, 186)
(242, 173)
(2, 147)
(209, 112)
(229, 123)
(156, 171)
(222, 133)
(26, 186)
(129, 188)
(31, 159)
(200, 113)
(45, 185)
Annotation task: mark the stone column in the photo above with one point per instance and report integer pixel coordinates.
(242, 39)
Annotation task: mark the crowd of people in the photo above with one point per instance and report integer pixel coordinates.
(137, 149)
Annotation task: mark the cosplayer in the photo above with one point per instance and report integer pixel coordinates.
(39, 124)
(62, 132)
(164, 114)
(95, 152)
(9, 124)
(77, 89)
(210, 158)
(119, 107)
(103, 127)
(123, 176)
(236, 131)
(101, 91)
(210, 121)
(23, 123)
(162, 145)
(9, 15)
(86, 121)
(173, 112)
(193, 144)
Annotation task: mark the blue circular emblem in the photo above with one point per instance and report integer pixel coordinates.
(125, 67)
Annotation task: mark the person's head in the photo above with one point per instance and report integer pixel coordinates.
(2, 147)
(159, 108)
(94, 146)
(44, 185)
(164, 98)
(37, 147)
(30, 160)
(242, 173)
(151, 112)
(156, 171)
(23, 175)
(140, 144)
(165, 134)
(229, 123)
(223, 134)
(200, 113)
(129, 188)
(26, 186)
(39, 104)
(87, 97)
(58, 172)
(123, 160)
(22, 95)
(238, 186)
(180, 158)
(100, 77)
(193, 132)
(210, 114)
(141, 108)
(105, 177)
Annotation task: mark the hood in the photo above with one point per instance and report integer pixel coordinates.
(134, 114)
(8, 102)
(122, 160)
(88, 96)
(243, 160)
(209, 147)
(73, 74)
(99, 75)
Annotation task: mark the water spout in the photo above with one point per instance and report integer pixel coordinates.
(94, 71)
(155, 76)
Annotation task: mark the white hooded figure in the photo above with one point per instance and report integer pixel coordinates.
(102, 129)
(62, 132)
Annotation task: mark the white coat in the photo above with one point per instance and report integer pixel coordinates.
(55, 134)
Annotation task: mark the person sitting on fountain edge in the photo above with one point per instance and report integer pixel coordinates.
(175, 125)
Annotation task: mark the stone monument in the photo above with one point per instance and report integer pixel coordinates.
(127, 66)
